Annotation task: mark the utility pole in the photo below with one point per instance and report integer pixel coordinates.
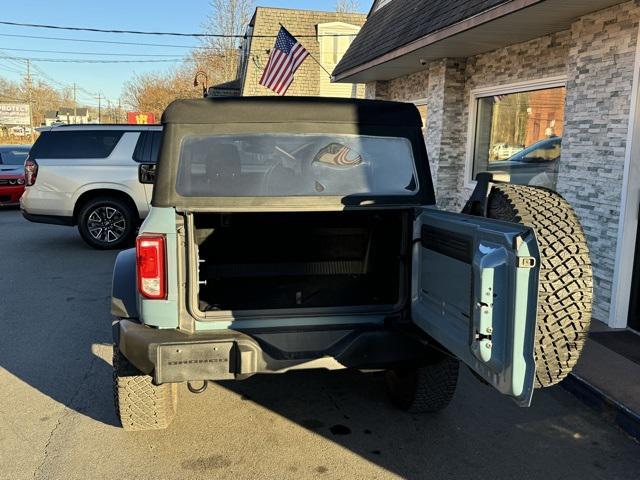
(29, 98)
(110, 111)
(99, 97)
(118, 113)
(75, 104)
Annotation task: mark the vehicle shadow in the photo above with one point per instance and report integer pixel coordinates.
(54, 314)
(480, 435)
(54, 306)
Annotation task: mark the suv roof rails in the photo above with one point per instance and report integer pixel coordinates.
(94, 126)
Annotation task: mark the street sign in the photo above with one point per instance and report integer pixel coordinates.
(15, 114)
(141, 118)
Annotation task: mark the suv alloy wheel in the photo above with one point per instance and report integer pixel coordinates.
(107, 223)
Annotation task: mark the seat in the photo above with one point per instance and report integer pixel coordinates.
(222, 170)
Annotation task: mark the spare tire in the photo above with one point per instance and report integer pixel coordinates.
(566, 281)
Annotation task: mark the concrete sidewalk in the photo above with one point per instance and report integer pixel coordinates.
(608, 382)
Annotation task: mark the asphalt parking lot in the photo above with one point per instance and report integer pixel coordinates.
(57, 419)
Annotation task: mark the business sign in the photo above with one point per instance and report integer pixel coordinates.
(14, 114)
(140, 118)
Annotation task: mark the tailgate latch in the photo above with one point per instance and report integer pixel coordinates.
(526, 262)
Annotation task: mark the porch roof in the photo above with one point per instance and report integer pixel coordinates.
(401, 36)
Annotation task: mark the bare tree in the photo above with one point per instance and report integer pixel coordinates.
(154, 91)
(44, 97)
(220, 58)
(347, 6)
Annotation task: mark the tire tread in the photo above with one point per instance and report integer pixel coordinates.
(141, 405)
(426, 389)
(566, 280)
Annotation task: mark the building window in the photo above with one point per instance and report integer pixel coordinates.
(518, 135)
(334, 39)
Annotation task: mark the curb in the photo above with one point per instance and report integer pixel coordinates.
(612, 410)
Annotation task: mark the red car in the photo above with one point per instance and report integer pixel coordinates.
(12, 159)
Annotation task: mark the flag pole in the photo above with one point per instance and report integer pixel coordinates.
(314, 58)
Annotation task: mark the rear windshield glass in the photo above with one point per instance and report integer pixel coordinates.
(295, 164)
(13, 157)
(76, 144)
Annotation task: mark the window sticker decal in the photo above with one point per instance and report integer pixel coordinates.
(338, 155)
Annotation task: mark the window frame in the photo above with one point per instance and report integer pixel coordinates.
(324, 31)
(488, 91)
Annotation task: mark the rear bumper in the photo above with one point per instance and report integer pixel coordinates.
(52, 219)
(10, 195)
(171, 356)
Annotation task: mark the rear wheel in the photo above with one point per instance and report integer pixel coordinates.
(107, 222)
(424, 389)
(566, 284)
(141, 405)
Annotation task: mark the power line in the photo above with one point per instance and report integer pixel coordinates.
(92, 53)
(13, 62)
(9, 69)
(110, 42)
(173, 34)
(67, 86)
(87, 60)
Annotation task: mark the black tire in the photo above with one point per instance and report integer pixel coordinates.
(566, 282)
(141, 405)
(98, 209)
(425, 389)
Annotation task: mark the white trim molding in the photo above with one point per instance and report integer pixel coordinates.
(629, 210)
(488, 91)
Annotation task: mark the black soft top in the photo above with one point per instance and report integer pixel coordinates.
(291, 110)
(286, 115)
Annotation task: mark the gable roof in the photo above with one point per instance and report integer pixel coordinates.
(402, 21)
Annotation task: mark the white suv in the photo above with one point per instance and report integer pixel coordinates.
(98, 177)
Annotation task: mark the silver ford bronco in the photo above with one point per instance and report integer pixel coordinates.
(303, 233)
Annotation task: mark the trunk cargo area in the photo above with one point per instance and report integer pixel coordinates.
(263, 261)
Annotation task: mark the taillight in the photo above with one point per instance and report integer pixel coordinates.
(30, 172)
(150, 263)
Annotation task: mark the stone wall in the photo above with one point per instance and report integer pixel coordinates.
(301, 24)
(597, 57)
(599, 82)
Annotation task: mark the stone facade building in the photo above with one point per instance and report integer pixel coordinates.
(558, 70)
(325, 35)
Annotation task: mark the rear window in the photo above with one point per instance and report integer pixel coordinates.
(76, 144)
(148, 147)
(295, 165)
(13, 156)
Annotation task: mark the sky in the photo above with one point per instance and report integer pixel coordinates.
(105, 79)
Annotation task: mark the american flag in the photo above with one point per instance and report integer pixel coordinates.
(286, 56)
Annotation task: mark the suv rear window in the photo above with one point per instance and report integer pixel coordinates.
(148, 147)
(13, 156)
(76, 144)
(272, 165)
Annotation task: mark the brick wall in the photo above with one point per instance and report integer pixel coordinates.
(302, 25)
(597, 57)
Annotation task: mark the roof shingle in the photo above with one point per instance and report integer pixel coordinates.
(402, 21)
